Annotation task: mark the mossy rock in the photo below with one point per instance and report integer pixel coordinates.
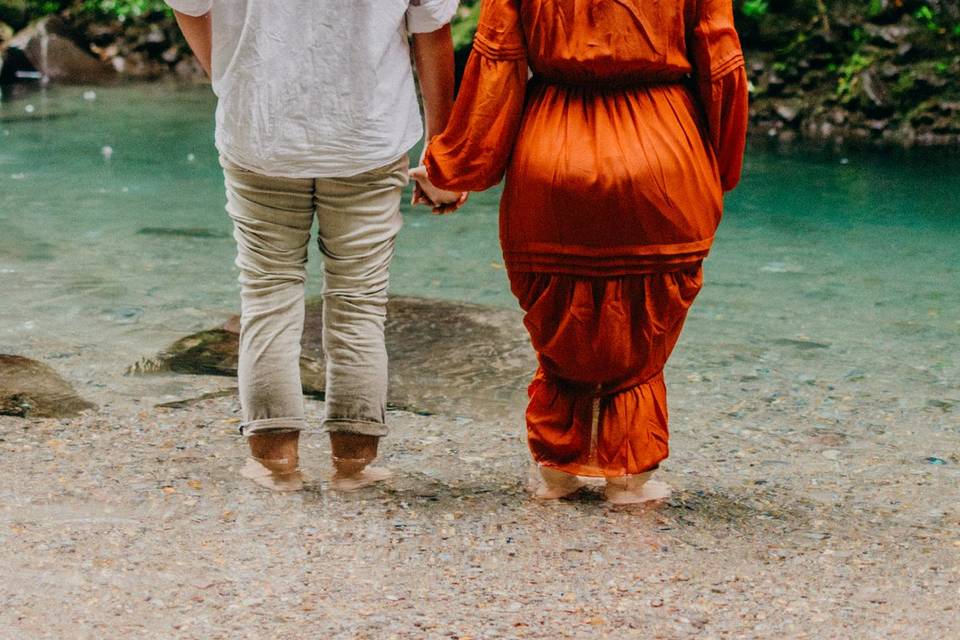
(445, 357)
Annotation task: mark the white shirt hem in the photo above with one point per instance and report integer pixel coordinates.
(343, 170)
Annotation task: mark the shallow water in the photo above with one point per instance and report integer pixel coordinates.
(114, 242)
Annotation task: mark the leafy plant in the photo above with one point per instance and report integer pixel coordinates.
(926, 17)
(124, 9)
(849, 71)
(465, 24)
(119, 9)
(755, 8)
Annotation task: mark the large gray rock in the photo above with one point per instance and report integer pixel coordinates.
(31, 389)
(445, 357)
(48, 48)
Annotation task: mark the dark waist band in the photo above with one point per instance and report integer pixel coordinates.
(613, 84)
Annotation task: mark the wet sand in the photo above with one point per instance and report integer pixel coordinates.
(803, 507)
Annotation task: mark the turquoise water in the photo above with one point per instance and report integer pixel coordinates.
(855, 251)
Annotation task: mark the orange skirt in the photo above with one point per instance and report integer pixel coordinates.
(598, 404)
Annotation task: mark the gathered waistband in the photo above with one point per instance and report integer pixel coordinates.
(613, 84)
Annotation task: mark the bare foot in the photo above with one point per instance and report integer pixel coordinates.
(635, 489)
(352, 453)
(556, 484)
(274, 461)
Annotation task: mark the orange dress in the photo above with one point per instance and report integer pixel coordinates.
(619, 124)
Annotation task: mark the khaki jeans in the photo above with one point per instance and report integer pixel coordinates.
(358, 218)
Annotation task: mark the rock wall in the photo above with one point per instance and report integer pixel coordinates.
(890, 77)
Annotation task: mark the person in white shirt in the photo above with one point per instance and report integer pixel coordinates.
(317, 111)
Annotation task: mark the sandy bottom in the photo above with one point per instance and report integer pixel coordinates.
(135, 522)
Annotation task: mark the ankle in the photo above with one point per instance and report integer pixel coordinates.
(352, 452)
(274, 444)
(276, 450)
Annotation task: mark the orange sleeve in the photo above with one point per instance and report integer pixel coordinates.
(472, 152)
(721, 79)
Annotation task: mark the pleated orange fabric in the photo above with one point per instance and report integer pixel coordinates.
(619, 124)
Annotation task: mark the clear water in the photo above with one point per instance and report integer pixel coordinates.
(858, 252)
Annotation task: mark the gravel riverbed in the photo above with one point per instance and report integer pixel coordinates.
(799, 511)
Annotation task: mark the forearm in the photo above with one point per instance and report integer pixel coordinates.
(199, 35)
(433, 54)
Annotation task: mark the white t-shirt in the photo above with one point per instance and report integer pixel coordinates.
(316, 88)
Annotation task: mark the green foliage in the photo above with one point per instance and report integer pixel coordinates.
(465, 24)
(43, 7)
(926, 17)
(119, 9)
(849, 71)
(123, 9)
(755, 8)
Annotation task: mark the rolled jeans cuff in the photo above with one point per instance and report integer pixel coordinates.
(272, 425)
(359, 427)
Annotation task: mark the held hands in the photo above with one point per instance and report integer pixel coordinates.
(441, 201)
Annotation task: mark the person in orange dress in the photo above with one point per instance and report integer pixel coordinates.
(619, 125)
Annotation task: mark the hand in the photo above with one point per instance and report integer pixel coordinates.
(440, 200)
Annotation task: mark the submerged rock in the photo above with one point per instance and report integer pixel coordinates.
(181, 232)
(31, 389)
(445, 357)
(803, 345)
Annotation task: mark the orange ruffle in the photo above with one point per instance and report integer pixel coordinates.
(598, 404)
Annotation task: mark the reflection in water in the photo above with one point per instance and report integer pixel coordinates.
(635, 489)
(555, 484)
(273, 477)
(365, 478)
